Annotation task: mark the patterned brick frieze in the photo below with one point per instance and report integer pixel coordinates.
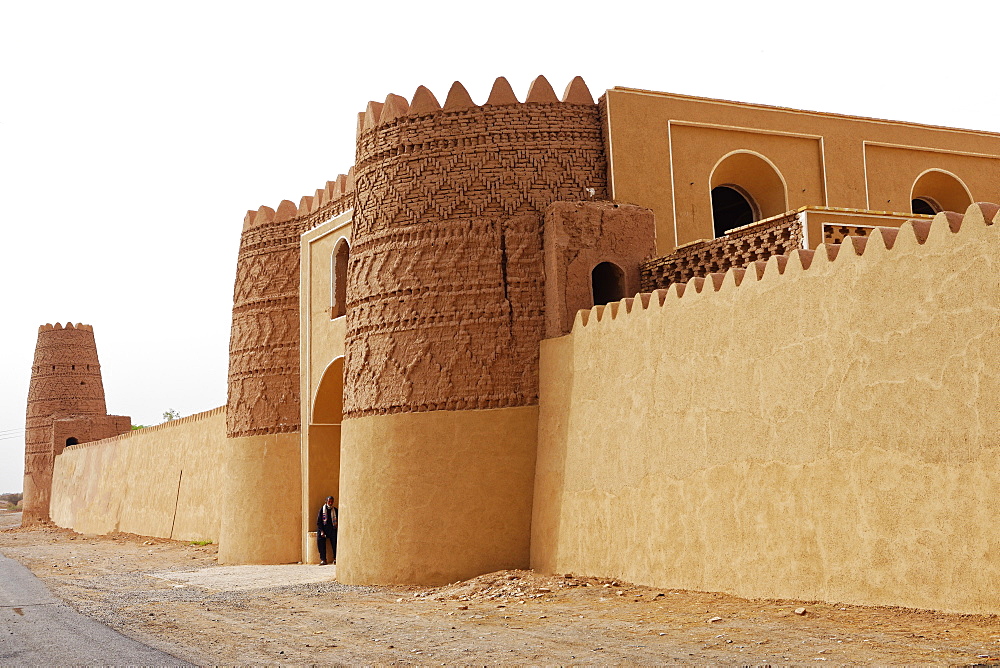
(445, 287)
(264, 344)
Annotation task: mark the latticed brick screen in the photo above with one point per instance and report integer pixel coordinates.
(777, 236)
(835, 234)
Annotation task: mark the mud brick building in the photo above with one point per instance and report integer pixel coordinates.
(678, 341)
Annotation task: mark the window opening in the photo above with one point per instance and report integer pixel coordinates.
(339, 271)
(925, 206)
(732, 207)
(608, 283)
(71, 441)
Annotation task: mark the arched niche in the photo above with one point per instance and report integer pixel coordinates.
(328, 406)
(338, 276)
(745, 184)
(937, 190)
(607, 281)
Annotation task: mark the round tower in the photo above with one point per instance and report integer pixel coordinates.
(445, 312)
(65, 385)
(261, 518)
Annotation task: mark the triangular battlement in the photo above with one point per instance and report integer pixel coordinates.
(330, 197)
(927, 235)
(424, 103)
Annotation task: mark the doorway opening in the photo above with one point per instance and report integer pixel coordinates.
(607, 281)
(321, 455)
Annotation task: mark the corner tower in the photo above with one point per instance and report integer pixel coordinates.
(445, 311)
(65, 406)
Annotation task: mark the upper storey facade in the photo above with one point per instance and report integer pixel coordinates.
(707, 166)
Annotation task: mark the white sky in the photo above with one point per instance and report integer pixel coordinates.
(135, 135)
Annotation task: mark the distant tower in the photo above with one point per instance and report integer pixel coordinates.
(65, 406)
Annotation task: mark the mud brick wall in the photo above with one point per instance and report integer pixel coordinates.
(778, 236)
(65, 385)
(578, 236)
(445, 304)
(264, 344)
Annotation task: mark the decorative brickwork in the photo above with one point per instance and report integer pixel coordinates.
(65, 401)
(835, 234)
(775, 236)
(264, 345)
(445, 289)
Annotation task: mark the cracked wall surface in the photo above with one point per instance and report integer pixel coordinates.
(822, 426)
(445, 288)
(580, 235)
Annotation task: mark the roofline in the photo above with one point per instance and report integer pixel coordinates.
(823, 114)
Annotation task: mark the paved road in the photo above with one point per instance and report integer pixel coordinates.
(36, 628)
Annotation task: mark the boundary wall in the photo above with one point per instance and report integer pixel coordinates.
(164, 481)
(821, 426)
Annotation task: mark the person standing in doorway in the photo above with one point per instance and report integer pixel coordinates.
(326, 530)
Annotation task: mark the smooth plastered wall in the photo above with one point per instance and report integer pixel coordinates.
(436, 497)
(261, 498)
(826, 433)
(163, 481)
(664, 148)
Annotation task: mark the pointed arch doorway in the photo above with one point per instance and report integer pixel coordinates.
(322, 452)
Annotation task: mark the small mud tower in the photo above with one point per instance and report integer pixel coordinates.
(261, 521)
(445, 311)
(65, 406)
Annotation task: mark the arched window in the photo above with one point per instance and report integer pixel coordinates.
(71, 441)
(338, 276)
(745, 187)
(732, 207)
(608, 283)
(939, 190)
(925, 206)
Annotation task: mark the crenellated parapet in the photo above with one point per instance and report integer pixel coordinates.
(880, 241)
(445, 304)
(264, 345)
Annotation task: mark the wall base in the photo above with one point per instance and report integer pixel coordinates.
(431, 498)
(262, 512)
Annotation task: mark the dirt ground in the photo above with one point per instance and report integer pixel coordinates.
(509, 617)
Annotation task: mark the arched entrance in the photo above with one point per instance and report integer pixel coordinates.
(321, 455)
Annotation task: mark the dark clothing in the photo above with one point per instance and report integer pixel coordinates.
(321, 543)
(326, 530)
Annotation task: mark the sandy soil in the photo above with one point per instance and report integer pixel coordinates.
(249, 616)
